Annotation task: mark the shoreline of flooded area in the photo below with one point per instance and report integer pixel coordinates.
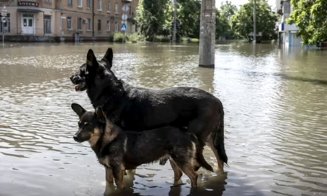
(275, 118)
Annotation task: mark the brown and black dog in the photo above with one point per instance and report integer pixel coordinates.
(137, 109)
(119, 150)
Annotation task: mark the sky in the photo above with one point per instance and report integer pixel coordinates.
(240, 2)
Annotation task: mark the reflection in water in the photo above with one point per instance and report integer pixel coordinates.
(274, 100)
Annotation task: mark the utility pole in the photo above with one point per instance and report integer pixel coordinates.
(254, 23)
(207, 34)
(174, 23)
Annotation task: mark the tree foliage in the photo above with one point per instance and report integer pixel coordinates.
(189, 17)
(151, 17)
(242, 21)
(310, 17)
(227, 10)
(223, 21)
(156, 17)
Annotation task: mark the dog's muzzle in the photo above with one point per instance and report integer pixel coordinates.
(78, 138)
(75, 138)
(76, 79)
(79, 82)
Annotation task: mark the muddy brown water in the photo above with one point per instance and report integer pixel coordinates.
(275, 104)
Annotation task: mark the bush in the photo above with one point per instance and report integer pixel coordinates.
(190, 40)
(134, 38)
(161, 38)
(119, 37)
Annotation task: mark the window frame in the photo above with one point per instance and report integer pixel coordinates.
(70, 3)
(100, 4)
(69, 23)
(90, 3)
(89, 24)
(79, 24)
(99, 25)
(6, 25)
(47, 24)
(79, 3)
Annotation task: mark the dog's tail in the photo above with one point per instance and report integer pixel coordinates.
(201, 159)
(199, 155)
(218, 139)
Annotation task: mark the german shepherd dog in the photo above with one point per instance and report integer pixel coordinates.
(118, 150)
(138, 109)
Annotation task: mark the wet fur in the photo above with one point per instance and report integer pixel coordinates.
(137, 109)
(118, 150)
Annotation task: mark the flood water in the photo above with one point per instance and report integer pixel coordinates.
(275, 104)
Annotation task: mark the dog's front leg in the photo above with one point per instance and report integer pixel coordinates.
(118, 173)
(109, 175)
(177, 172)
(109, 182)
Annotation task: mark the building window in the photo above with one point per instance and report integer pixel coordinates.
(108, 25)
(69, 23)
(89, 24)
(109, 6)
(116, 8)
(89, 3)
(5, 25)
(99, 25)
(47, 24)
(116, 24)
(100, 5)
(79, 23)
(80, 3)
(70, 3)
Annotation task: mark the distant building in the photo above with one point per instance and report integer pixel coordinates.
(67, 20)
(287, 32)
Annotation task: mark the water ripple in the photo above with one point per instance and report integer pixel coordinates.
(275, 119)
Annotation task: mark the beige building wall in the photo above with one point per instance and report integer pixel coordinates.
(107, 18)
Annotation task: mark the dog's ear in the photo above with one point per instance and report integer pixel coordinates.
(79, 110)
(108, 58)
(91, 60)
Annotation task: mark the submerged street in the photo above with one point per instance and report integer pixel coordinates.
(275, 118)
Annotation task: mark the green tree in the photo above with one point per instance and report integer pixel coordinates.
(310, 17)
(227, 10)
(169, 17)
(156, 17)
(242, 21)
(223, 28)
(223, 20)
(189, 17)
(150, 17)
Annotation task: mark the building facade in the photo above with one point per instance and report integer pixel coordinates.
(67, 20)
(287, 32)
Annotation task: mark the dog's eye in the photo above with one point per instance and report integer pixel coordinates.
(83, 124)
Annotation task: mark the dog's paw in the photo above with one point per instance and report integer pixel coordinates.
(110, 188)
(178, 182)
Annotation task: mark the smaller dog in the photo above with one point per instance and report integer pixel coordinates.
(119, 150)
